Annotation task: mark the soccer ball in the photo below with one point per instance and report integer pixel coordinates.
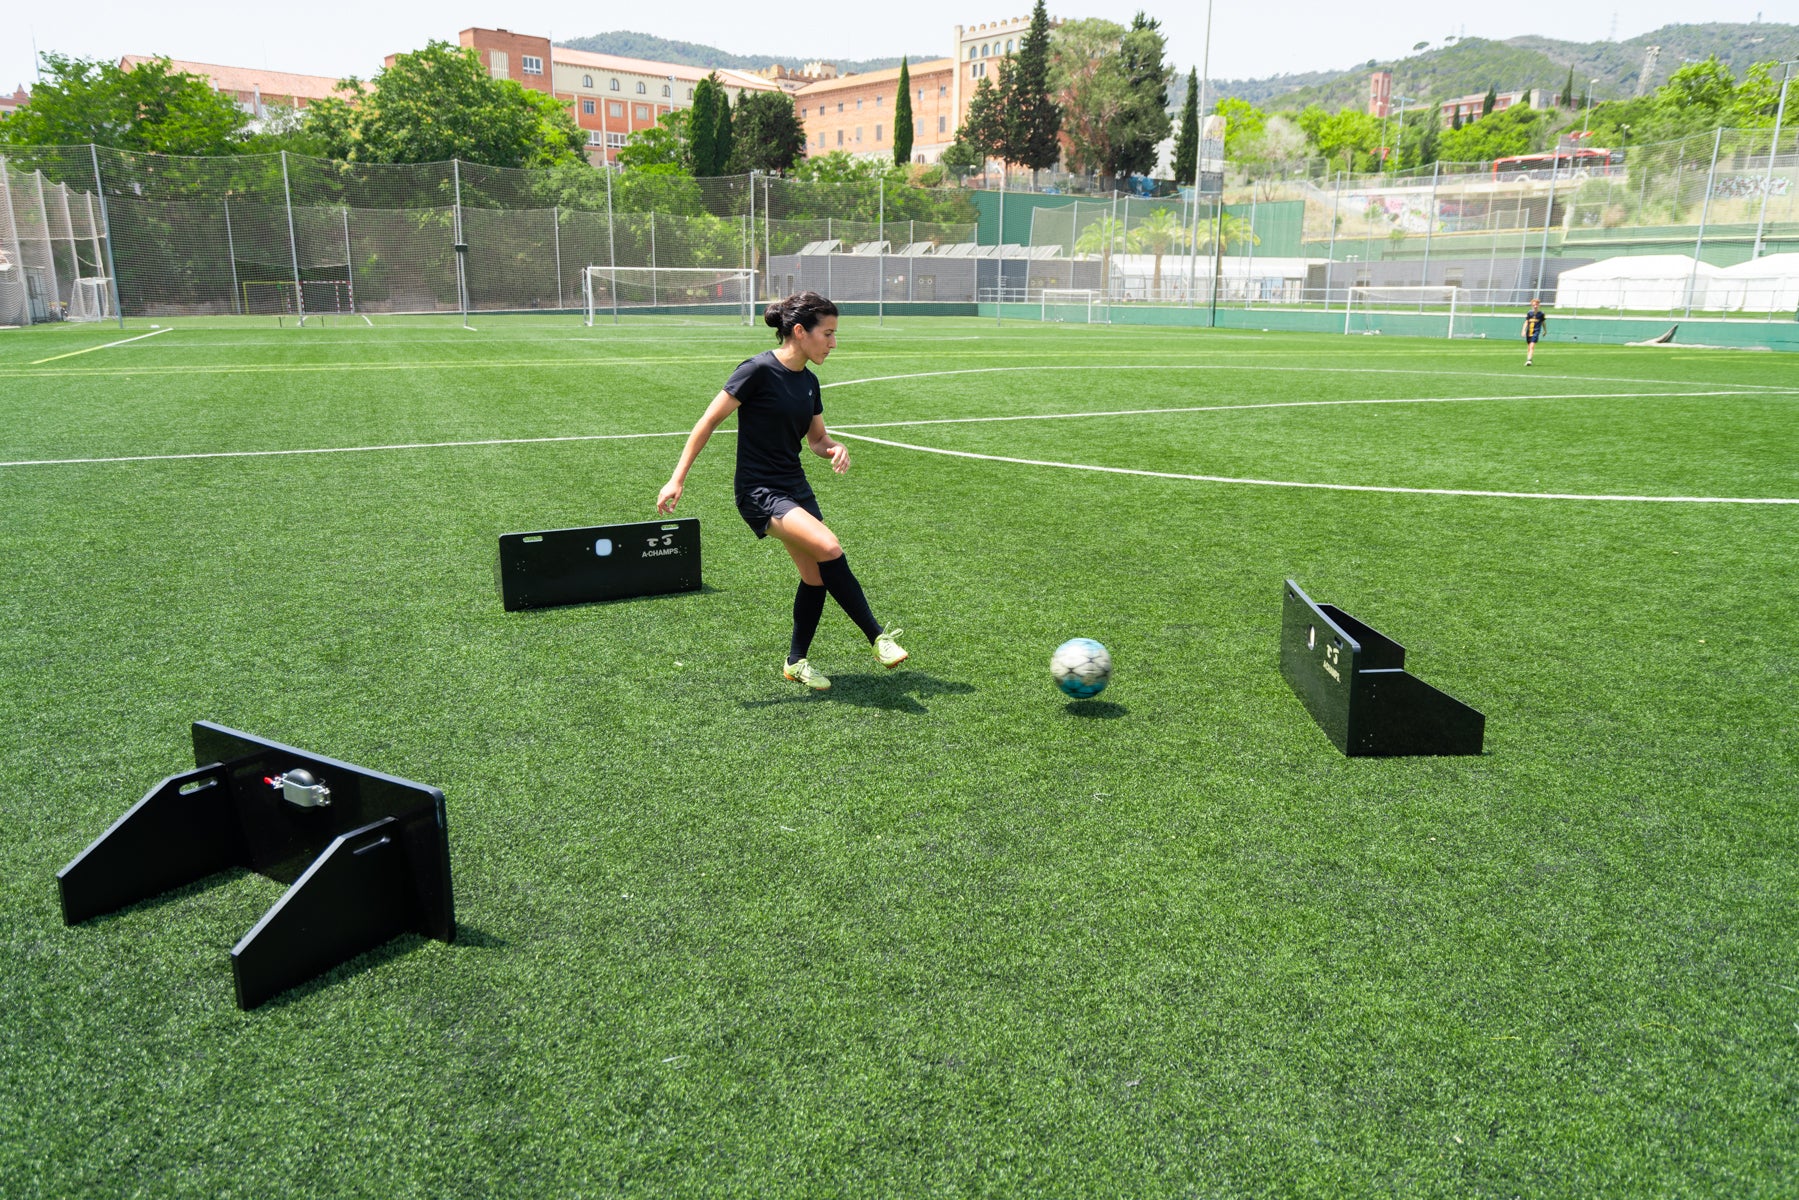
(1081, 667)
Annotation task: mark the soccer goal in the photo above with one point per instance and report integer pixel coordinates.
(1080, 306)
(670, 291)
(91, 300)
(1418, 311)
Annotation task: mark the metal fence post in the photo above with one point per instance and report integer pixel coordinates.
(43, 216)
(458, 246)
(1330, 266)
(231, 250)
(881, 252)
(1705, 210)
(611, 247)
(999, 259)
(349, 261)
(1780, 112)
(556, 233)
(1548, 220)
(1430, 224)
(293, 246)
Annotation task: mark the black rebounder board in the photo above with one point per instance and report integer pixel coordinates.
(366, 855)
(599, 562)
(1353, 681)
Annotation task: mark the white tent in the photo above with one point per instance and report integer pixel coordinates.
(1636, 281)
(1768, 284)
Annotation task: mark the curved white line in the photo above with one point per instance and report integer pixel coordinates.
(1328, 487)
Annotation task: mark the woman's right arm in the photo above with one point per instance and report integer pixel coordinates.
(722, 406)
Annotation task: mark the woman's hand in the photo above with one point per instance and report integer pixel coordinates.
(669, 496)
(840, 457)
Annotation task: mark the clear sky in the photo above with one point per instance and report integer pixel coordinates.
(1249, 39)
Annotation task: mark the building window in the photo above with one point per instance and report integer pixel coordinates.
(971, 51)
(858, 104)
(588, 106)
(615, 141)
(942, 90)
(587, 81)
(643, 111)
(821, 137)
(1008, 45)
(666, 91)
(530, 64)
(840, 106)
(877, 133)
(858, 134)
(940, 128)
(614, 109)
(593, 137)
(641, 89)
(978, 70)
(615, 85)
(690, 93)
(877, 102)
(840, 137)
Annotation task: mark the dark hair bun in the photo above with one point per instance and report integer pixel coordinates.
(800, 310)
(771, 316)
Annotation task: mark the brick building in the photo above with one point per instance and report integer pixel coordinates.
(1380, 94)
(13, 103)
(1469, 106)
(611, 96)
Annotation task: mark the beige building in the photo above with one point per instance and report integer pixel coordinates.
(253, 89)
(854, 113)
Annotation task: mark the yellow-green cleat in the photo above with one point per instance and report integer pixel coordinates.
(804, 672)
(889, 651)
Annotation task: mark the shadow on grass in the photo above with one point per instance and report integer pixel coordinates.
(895, 691)
(550, 611)
(1096, 710)
(368, 960)
(174, 895)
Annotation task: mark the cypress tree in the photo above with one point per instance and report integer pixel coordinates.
(902, 118)
(1186, 145)
(1568, 89)
(1492, 98)
(702, 127)
(721, 157)
(1033, 136)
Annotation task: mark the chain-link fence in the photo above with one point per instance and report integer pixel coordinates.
(1713, 221)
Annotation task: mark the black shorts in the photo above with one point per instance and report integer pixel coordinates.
(760, 505)
(1531, 337)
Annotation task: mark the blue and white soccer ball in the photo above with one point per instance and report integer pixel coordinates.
(1081, 667)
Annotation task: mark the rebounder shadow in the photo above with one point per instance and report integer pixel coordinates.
(893, 691)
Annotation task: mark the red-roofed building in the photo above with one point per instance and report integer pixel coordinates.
(13, 103)
(254, 90)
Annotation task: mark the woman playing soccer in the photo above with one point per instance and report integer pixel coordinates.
(777, 398)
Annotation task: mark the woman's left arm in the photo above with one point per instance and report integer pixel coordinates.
(826, 446)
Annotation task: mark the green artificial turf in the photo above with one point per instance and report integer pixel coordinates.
(940, 931)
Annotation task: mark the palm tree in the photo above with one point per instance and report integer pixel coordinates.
(1106, 236)
(1228, 230)
(1157, 233)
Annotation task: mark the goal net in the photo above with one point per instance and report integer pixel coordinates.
(91, 299)
(670, 291)
(1080, 306)
(1417, 311)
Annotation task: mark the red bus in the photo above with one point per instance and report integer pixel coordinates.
(1560, 164)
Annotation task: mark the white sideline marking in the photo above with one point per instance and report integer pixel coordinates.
(575, 437)
(1328, 487)
(71, 354)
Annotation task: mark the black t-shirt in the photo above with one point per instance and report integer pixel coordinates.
(778, 407)
(1534, 321)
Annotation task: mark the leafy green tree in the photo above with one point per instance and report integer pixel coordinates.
(709, 128)
(766, 134)
(1033, 136)
(1489, 101)
(1350, 139)
(1143, 123)
(960, 159)
(1517, 130)
(438, 103)
(1243, 123)
(1186, 144)
(663, 144)
(1091, 90)
(984, 128)
(151, 107)
(902, 117)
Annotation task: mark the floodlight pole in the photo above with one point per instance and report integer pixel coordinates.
(881, 253)
(1586, 118)
(1548, 220)
(1768, 178)
(1330, 260)
(999, 260)
(118, 306)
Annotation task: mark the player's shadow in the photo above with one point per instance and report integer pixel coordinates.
(1095, 710)
(895, 691)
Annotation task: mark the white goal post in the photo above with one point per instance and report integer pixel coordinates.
(670, 291)
(92, 299)
(1371, 306)
(1083, 306)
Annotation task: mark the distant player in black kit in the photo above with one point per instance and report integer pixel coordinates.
(778, 404)
(1534, 320)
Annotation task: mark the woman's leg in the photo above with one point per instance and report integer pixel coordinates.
(819, 556)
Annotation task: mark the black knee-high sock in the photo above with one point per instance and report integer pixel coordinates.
(808, 606)
(844, 589)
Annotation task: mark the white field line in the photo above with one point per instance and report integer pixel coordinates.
(71, 354)
(602, 437)
(1328, 487)
(131, 458)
